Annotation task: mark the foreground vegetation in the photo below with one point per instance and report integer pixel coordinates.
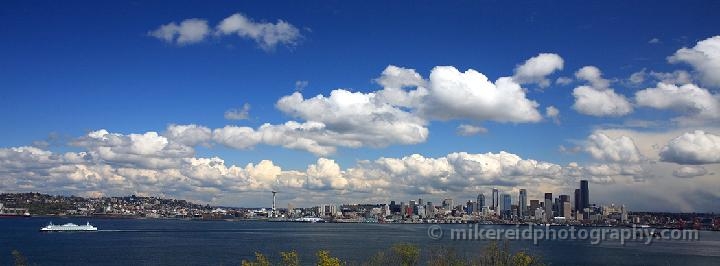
(399, 254)
(410, 255)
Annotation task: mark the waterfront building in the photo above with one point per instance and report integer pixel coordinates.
(421, 211)
(327, 210)
(410, 211)
(394, 208)
(321, 210)
(430, 209)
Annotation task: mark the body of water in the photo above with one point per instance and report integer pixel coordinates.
(180, 242)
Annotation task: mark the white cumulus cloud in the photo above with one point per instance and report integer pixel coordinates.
(535, 69)
(690, 100)
(358, 116)
(704, 58)
(267, 35)
(398, 77)
(598, 99)
(593, 75)
(470, 95)
(189, 135)
(619, 150)
(591, 101)
(236, 137)
(690, 171)
(187, 32)
(694, 148)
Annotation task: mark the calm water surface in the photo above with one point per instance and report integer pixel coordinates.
(179, 242)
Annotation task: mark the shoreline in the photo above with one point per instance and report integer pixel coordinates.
(349, 222)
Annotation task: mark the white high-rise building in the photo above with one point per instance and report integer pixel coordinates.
(567, 210)
(540, 214)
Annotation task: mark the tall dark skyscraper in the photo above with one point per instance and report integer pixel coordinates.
(578, 201)
(564, 198)
(495, 199)
(548, 207)
(506, 206)
(561, 204)
(522, 202)
(534, 205)
(480, 202)
(584, 194)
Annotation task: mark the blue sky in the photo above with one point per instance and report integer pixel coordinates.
(69, 69)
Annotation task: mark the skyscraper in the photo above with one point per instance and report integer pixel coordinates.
(523, 204)
(507, 202)
(561, 204)
(480, 202)
(506, 206)
(495, 199)
(470, 207)
(534, 205)
(567, 213)
(548, 207)
(578, 201)
(584, 194)
(447, 204)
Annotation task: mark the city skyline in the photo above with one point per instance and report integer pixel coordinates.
(222, 103)
(561, 211)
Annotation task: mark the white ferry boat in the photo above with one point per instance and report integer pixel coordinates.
(309, 220)
(69, 227)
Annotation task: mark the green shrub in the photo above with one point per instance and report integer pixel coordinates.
(260, 260)
(290, 258)
(324, 259)
(446, 257)
(494, 255)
